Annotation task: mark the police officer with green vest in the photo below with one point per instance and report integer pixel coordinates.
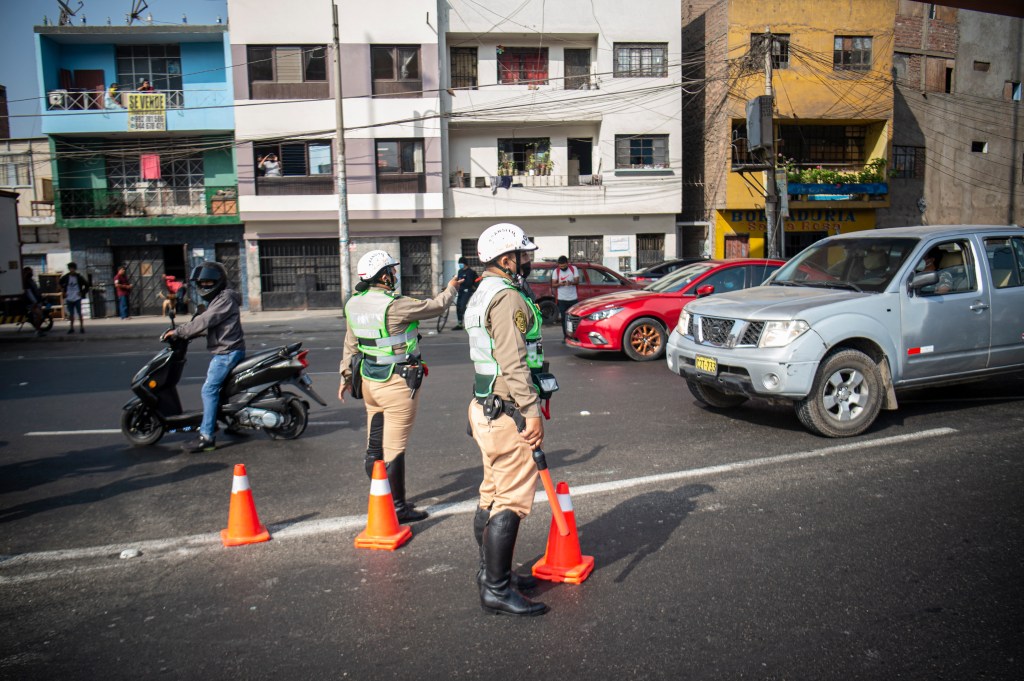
(381, 363)
(504, 327)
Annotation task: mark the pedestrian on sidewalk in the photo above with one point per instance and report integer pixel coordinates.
(467, 285)
(122, 288)
(564, 279)
(74, 287)
(33, 300)
(382, 339)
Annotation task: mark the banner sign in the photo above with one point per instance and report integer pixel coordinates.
(147, 112)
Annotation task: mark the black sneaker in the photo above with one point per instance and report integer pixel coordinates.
(71, 330)
(201, 444)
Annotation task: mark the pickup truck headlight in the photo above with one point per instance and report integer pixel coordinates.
(683, 327)
(781, 334)
(603, 314)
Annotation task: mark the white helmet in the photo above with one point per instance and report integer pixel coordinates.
(502, 238)
(372, 263)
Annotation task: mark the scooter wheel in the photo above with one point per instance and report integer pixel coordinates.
(296, 417)
(141, 426)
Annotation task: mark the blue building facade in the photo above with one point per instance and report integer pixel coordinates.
(141, 128)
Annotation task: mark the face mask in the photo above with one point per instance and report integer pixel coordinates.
(525, 268)
(462, 265)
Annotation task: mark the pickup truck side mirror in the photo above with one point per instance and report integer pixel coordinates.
(922, 279)
(705, 290)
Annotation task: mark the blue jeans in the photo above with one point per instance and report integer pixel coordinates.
(220, 367)
(122, 306)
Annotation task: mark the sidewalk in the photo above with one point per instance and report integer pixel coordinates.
(113, 328)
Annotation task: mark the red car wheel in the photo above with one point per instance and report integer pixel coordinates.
(644, 340)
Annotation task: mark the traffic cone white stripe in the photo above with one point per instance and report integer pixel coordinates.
(240, 484)
(380, 488)
(565, 503)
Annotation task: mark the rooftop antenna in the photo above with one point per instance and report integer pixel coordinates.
(138, 7)
(66, 12)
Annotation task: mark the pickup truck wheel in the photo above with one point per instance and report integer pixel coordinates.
(713, 397)
(644, 340)
(845, 398)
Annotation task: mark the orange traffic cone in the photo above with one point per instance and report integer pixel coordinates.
(563, 561)
(243, 525)
(382, 528)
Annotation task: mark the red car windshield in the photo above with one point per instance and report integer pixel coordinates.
(680, 279)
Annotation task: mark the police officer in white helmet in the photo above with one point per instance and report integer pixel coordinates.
(505, 418)
(381, 363)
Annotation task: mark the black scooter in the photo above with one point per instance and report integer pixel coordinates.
(250, 398)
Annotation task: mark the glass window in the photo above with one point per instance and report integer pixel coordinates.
(315, 67)
(641, 151)
(680, 279)
(851, 53)
(15, 170)
(641, 60)
(297, 159)
(600, 277)
(861, 264)
(287, 63)
(464, 62)
(1005, 261)
(908, 162)
(395, 63)
(952, 260)
(400, 167)
(780, 48)
(523, 65)
(729, 279)
(517, 156)
(320, 158)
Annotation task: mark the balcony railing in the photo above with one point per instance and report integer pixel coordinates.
(147, 200)
(499, 181)
(82, 100)
(285, 186)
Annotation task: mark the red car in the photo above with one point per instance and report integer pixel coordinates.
(595, 280)
(638, 322)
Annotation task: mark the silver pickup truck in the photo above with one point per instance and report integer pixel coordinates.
(854, 317)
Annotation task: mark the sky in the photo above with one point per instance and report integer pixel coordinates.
(17, 42)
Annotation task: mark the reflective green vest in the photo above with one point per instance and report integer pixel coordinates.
(366, 314)
(481, 345)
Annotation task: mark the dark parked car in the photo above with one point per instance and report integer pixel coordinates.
(655, 272)
(595, 280)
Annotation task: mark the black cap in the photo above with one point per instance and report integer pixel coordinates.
(462, 261)
(562, 260)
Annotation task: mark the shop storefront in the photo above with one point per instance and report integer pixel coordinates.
(740, 233)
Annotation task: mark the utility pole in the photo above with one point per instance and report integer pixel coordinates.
(771, 197)
(346, 258)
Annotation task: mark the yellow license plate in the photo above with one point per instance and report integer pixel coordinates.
(708, 365)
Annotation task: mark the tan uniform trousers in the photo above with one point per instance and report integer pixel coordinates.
(389, 415)
(510, 475)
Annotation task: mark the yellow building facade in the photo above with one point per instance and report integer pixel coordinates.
(833, 110)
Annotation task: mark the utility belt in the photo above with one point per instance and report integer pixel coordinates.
(494, 406)
(412, 369)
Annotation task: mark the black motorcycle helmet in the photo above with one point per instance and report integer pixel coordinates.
(210, 278)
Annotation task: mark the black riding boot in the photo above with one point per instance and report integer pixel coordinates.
(396, 478)
(496, 593)
(520, 582)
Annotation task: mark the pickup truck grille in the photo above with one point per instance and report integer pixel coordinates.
(721, 332)
(715, 330)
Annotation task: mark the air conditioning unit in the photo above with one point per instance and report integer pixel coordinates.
(56, 98)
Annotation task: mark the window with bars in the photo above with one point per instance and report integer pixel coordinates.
(472, 255)
(780, 47)
(15, 170)
(395, 70)
(400, 167)
(463, 66)
(641, 60)
(523, 65)
(908, 162)
(125, 172)
(159, 64)
(517, 155)
(841, 145)
(641, 151)
(851, 53)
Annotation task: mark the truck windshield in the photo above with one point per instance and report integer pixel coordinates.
(865, 264)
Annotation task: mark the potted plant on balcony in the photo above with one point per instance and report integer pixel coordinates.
(506, 166)
(820, 181)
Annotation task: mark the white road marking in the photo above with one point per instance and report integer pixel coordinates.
(114, 431)
(211, 541)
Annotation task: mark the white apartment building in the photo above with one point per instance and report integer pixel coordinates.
(560, 116)
(564, 118)
(284, 74)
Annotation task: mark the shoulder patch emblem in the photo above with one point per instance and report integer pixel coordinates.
(520, 319)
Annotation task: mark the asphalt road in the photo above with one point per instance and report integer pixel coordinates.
(727, 546)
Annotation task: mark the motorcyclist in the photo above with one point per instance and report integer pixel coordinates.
(222, 324)
(381, 334)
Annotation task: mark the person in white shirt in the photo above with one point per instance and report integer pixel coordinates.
(564, 279)
(74, 287)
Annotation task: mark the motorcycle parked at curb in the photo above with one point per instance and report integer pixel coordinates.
(251, 398)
